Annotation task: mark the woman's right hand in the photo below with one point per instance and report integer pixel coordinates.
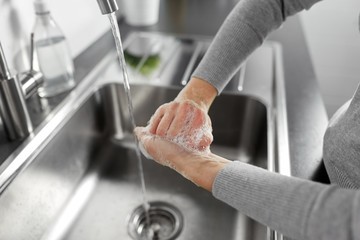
(185, 120)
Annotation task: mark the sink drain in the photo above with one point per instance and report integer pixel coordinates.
(166, 222)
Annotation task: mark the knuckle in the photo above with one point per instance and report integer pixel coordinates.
(160, 132)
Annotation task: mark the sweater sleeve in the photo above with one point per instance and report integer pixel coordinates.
(243, 31)
(297, 208)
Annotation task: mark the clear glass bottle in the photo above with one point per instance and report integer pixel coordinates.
(54, 58)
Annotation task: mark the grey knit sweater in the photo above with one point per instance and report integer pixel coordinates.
(297, 208)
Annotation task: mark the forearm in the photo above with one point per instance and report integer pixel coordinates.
(243, 31)
(201, 169)
(297, 208)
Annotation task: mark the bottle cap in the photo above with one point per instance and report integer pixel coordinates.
(41, 6)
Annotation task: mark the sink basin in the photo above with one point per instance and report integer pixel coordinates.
(118, 192)
(96, 141)
(77, 176)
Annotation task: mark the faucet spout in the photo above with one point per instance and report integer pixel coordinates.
(107, 6)
(14, 90)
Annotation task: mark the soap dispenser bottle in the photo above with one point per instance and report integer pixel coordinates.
(54, 58)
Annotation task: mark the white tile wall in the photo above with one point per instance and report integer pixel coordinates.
(332, 33)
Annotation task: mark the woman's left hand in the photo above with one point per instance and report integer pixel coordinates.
(199, 167)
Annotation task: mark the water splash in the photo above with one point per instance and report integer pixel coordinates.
(120, 52)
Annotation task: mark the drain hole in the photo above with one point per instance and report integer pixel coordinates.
(166, 222)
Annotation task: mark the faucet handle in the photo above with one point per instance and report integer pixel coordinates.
(31, 80)
(32, 52)
(13, 111)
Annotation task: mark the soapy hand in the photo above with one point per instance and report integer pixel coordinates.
(185, 120)
(184, 123)
(179, 134)
(198, 166)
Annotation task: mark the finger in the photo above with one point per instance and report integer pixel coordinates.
(201, 137)
(161, 150)
(197, 122)
(208, 122)
(140, 132)
(205, 142)
(143, 137)
(200, 119)
(164, 124)
(179, 122)
(154, 124)
(167, 119)
(156, 119)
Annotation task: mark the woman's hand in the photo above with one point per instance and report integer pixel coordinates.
(179, 134)
(184, 123)
(199, 167)
(185, 120)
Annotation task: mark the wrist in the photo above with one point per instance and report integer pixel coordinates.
(199, 92)
(201, 169)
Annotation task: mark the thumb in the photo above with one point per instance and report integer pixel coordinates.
(140, 133)
(161, 150)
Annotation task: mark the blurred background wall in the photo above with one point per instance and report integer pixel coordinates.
(331, 29)
(80, 21)
(332, 33)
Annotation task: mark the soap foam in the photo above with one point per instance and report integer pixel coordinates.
(144, 152)
(149, 137)
(192, 142)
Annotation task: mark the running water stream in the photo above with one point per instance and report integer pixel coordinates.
(120, 52)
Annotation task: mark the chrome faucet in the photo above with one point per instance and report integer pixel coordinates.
(14, 90)
(107, 6)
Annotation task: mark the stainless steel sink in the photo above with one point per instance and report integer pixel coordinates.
(118, 192)
(77, 177)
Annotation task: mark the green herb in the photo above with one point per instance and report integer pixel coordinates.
(151, 63)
